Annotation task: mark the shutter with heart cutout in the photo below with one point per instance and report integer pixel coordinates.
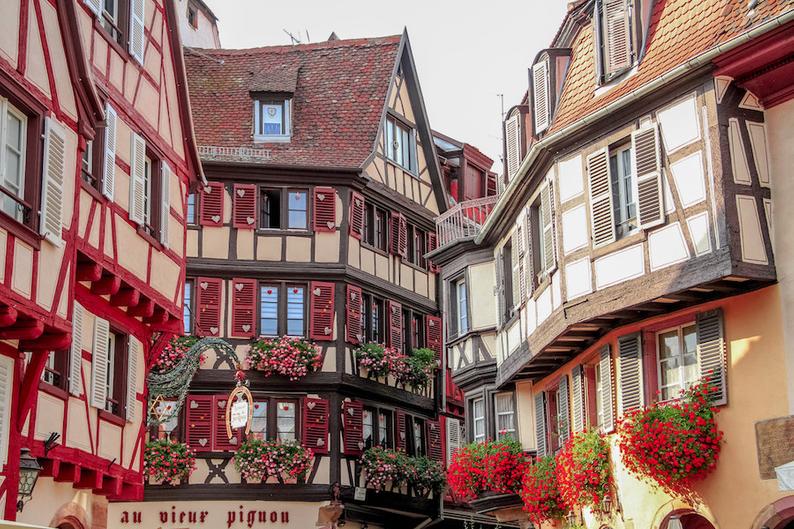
(244, 206)
(356, 215)
(435, 448)
(315, 425)
(353, 424)
(198, 422)
(208, 306)
(400, 430)
(433, 337)
(221, 440)
(321, 311)
(211, 204)
(243, 307)
(353, 309)
(324, 206)
(394, 320)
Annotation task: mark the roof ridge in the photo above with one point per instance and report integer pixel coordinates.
(286, 48)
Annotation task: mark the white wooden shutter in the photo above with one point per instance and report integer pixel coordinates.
(602, 217)
(99, 364)
(540, 424)
(453, 437)
(521, 240)
(94, 5)
(631, 390)
(133, 349)
(6, 383)
(648, 181)
(547, 219)
(76, 352)
(137, 178)
(529, 267)
(515, 258)
(137, 35)
(578, 399)
(711, 353)
(564, 411)
(513, 145)
(605, 367)
(617, 41)
(109, 156)
(500, 286)
(540, 95)
(52, 182)
(165, 202)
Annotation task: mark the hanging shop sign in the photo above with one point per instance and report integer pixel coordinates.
(239, 410)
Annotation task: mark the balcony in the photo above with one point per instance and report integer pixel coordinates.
(464, 220)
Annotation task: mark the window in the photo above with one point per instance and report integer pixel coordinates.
(375, 227)
(187, 309)
(368, 429)
(372, 319)
(377, 428)
(419, 248)
(384, 429)
(418, 437)
(615, 38)
(478, 420)
(284, 209)
(272, 119)
(192, 15)
(504, 409)
(462, 307)
(622, 191)
(400, 144)
(259, 420)
(148, 197)
(286, 420)
(678, 362)
(507, 281)
(274, 418)
(282, 309)
(114, 17)
(14, 152)
(91, 161)
(412, 330)
(190, 214)
(115, 383)
(56, 369)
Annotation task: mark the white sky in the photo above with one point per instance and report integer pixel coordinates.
(466, 52)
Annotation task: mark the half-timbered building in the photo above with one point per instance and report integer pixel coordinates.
(634, 250)
(97, 156)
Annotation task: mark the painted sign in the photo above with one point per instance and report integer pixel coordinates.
(239, 414)
(212, 515)
(239, 410)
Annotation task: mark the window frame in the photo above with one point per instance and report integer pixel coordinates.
(192, 221)
(393, 123)
(192, 8)
(496, 413)
(60, 368)
(371, 238)
(368, 331)
(93, 180)
(409, 317)
(271, 415)
(188, 305)
(679, 329)
(454, 329)
(118, 33)
(629, 226)
(283, 192)
(117, 358)
(475, 420)
(285, 101)
(281, 307)
(375, 412)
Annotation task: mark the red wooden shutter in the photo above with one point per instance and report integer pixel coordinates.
(211, 205)
(321, 311)
(208, 306)
(353, 424)
(432, 244)
(315, 425)
(394, 315)
(403, 246)
(199, 422)
(435, 448)
(244, 206)
(399, 235)
(353, 315)
(433, 334)
(356, 215)
(324, 204)
(222, 442)
(400, 430)
(243, 307)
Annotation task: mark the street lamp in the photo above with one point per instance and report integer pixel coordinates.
(29, 469)
(675, 522)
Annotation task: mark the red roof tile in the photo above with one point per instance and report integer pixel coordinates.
(679, 30)
(337, 105)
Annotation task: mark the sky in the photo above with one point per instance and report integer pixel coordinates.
(467, 53)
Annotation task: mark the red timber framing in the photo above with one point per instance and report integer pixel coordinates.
(84, 263)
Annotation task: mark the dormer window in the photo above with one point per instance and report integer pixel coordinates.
(400, 144)
(272, 119)
(616, 41)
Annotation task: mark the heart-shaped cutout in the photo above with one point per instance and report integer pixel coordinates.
(327, 330)
(168, 408)
(256, 406)
(193, 404)
(320, 196)
(249, 220)
(361, 445)
(208, 189)
(359, 337)
(246, 328)
(203, 442)
(221, 403)
(204, 285)
(431, 323)
(214, 330)
(351, 411)
(330, 225)
(353, 296)
(317, 291)
(294, 290)
(310, 405)
(239, 287)
(402, 436)
(241, 193)
(216, 218)
(320, 442)
(233, 440)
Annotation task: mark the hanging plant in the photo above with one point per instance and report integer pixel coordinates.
(424, 475)
(416, 370)
(168, 461)
(258, 460)
(384, 466)
(290, 357)
(583, 474)
(377, 359)
(673, 444)
(542, 499)
(174, 352)
(492, 466)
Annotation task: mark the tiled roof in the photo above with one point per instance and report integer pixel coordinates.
(337, 105)
(679, 30)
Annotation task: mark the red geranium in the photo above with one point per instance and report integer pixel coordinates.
(583, 469)
(492, 466)
(540, 492)
(673, 444)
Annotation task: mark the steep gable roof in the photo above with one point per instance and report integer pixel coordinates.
(339, 92)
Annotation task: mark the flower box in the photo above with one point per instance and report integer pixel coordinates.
(290, 357)
(168, 463)
(258, 460)
(492, 467)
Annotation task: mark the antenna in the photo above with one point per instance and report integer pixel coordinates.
(502, 100)
(293, 38)
(308, 38)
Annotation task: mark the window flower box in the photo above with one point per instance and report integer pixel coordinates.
(287, 462)
(541, 496)
(290, 357)
(167, 462)
(481, 469)
(583, 474)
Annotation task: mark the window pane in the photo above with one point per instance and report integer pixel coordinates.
(297, 209)
(690, 361)
(268, 311)
(505, 416)
(598, 397)
(191, 208)
(147, 191)
(418, 446)
(285, 421)
(369, 440)
(295, 310)
(463, 309)
(186, 314)
(668, 344)
(259, 420)
(383, 430)
(272, 119)
(271, 209)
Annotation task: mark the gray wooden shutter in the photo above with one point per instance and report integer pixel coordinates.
(529, 267)
(6, 385)
(109, 157)
(547, 218)
(137, 32)
(52, 187)
(94, 5)
(500, 286)
(540, 424)
(607, 393)
(540, 95)
(522, 260)
(76, 352)
(648, 181)
(453, 437)
(564, 411)
(99, 364)
(165, 202)
(578, 399)
(631, 390)
(137, 178)
(515, 258)
(617, 41)
(133, 350)
(513, 145)
(602, 219)
(712, 353)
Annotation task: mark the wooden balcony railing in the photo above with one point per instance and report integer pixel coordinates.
(464, 220)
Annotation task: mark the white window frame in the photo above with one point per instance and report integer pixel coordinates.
(511, 432)
(110, 375)
(681, 384)
(147, 192)
(8, 108)
(368, 429)
(294, 417)
(462, 302)
(599, 400)
(619, 204)
(393, 124)
(286, 134)
(478, 420)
